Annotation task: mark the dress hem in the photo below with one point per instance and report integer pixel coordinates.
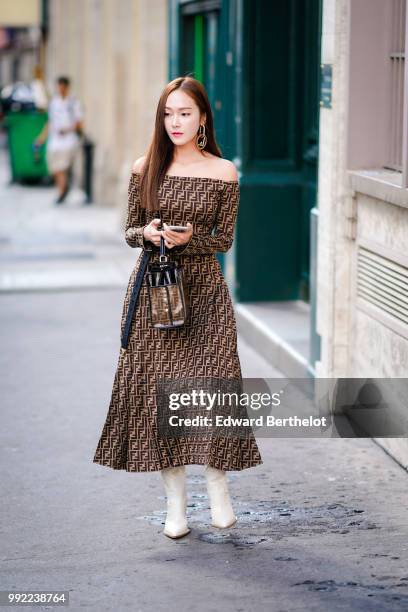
(128, 466)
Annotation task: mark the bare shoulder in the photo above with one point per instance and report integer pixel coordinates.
(227, 170)
(138, 164)
(221, 168)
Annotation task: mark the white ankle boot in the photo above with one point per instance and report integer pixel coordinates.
(174, 479)
(222, 514)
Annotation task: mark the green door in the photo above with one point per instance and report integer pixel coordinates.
(198, 40)
(279, 118)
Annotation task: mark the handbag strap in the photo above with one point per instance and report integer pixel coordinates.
(162, 256)
(133, 299)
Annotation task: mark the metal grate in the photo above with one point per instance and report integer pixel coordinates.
(383, 283)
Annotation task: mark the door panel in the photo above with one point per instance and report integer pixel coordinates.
(279, 119)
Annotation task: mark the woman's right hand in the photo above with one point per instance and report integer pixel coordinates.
(151, 233)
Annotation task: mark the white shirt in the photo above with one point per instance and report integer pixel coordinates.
(63, 113)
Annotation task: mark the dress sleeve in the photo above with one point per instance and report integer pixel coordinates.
(225, 223)
(136, 216)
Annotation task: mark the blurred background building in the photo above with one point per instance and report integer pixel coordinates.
(21, 39)
(310, 102)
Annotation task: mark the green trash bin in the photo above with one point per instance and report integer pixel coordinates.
(23, 127)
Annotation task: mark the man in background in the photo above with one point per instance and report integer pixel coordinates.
(63, 131)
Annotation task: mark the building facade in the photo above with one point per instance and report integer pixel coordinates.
(362, 264)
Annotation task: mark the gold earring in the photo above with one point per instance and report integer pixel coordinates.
(201, 139)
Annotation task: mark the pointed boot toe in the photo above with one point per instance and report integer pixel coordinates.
(225, 524)
(175, 534)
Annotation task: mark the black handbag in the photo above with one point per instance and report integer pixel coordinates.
(168, 296)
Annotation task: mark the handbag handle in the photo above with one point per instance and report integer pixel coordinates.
(163, 257)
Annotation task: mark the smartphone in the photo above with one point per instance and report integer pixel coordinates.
(178, 228)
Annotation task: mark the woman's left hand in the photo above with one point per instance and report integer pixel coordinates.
(174, 239)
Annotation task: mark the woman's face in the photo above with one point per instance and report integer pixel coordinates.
(181, 116)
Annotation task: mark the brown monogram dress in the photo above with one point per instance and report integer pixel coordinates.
(206, 346)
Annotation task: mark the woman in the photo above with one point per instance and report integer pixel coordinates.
(185, 178)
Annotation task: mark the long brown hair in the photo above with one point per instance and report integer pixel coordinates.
(160, 152)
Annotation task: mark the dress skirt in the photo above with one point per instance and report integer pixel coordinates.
(204, 347)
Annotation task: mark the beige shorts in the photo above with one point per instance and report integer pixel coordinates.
(60, 160)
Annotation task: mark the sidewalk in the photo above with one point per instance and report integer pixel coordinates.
(45, 247)
(321, 523)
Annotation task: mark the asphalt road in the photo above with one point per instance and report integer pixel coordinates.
(322, 523)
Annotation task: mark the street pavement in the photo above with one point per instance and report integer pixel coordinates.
(45, 247)
(322, 523)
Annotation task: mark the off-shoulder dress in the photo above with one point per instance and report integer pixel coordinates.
(206, 346)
